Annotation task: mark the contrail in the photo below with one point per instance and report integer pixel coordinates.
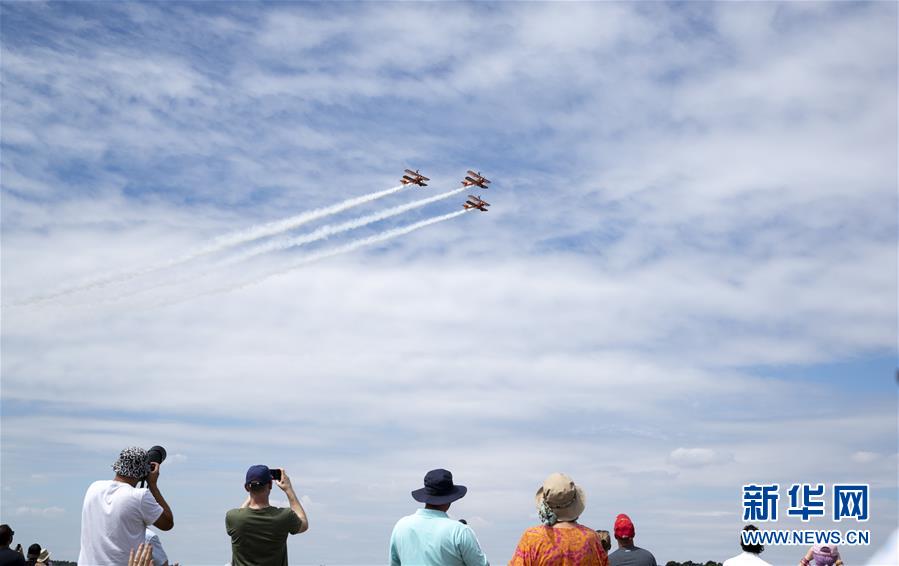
(332, 229)
(218, 244)
(278, 226)
(286, 243)
(346, 248)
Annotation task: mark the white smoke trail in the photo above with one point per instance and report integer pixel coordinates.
(218, 244)
(283, 244)
(333, 229)
(340, 250)
(278, 226)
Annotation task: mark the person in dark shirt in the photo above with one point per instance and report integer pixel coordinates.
(8, 556)
(259, 531)
(628, 554)
(34, 551)
(37, 556)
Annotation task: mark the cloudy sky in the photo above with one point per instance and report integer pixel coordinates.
(686, 281)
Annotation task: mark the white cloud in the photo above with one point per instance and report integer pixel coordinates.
(176, 459)
(864, 457)
(698, 457)
(47, 512)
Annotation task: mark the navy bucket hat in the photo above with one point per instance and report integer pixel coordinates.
(439, 488)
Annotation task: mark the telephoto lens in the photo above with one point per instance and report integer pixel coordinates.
(156, 454)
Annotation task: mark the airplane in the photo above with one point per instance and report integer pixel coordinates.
(476, 202)
(475, 180)
(414, 178)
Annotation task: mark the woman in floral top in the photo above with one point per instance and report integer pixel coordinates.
(560, 540)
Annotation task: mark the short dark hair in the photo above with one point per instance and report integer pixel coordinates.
(6, 534)
(34, 550)
(256, 487)
(604, 539)
(753, 548)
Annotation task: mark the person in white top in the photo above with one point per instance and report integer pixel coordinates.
(116, 513)
(750, 554)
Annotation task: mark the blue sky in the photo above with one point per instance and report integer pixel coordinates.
(686, 282)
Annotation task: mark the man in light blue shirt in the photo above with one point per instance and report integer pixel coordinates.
(429, 537)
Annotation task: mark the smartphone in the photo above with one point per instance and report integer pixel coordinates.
(276, 474)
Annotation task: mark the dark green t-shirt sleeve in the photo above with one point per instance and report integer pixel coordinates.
(230, 521)
(292, 521)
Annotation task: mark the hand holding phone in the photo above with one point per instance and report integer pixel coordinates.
(283, 480)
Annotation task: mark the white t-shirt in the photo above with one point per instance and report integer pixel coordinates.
(159, 556)
(114, 520)
(745, 559)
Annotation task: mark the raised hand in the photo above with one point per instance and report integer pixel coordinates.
(144, 556)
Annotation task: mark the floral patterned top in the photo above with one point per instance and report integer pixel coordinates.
(548, 546)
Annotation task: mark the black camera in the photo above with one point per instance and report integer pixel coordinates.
(156, 454)
(275, 473)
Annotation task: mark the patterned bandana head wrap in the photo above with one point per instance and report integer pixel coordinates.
(546, 514)
(132, 463)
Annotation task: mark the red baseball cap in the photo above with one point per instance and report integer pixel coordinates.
(624, 527)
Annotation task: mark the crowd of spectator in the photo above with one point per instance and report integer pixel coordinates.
(36, 555)
(116, 515)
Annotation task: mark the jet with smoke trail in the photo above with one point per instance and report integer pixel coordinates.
(218, 244)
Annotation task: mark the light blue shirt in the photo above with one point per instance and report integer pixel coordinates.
(431, 538)
(159, 556)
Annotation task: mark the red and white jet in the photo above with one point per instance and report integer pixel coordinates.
(414, 178)
(474, 179)
(476, 202)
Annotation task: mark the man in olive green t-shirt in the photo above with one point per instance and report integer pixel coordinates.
(259, 531)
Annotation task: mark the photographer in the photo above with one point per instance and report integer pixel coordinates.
(116, 512)
(8, 556)
(259, 531)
